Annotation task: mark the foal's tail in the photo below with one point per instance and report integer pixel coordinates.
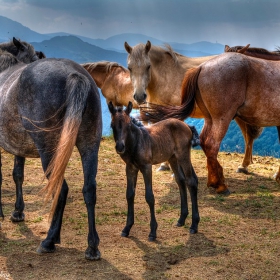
(77, 88)
(155, 113)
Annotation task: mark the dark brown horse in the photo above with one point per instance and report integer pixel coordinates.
(140, 147)
(227, 86)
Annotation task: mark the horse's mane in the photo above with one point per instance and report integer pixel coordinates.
(254, 50)
(136, 122)
(7, 60)
(104, 65)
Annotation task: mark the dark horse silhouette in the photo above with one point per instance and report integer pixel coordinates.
(140, 147)
(46, 108)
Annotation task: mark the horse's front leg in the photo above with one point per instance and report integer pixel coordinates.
(210, 140)
(131, 177)
(192, 184)
(18, 176)
(150, 199)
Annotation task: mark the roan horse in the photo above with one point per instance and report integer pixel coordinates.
(23, 52)
(46, 108)
(157, 74)
(228, 86)
(140, 147)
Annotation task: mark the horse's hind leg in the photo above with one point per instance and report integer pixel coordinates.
(180, 180)
(131, 177)
(18, 176)
(53, 236)
(250, 133)
(88, 150)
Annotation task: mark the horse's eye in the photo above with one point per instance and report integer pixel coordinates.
(148, 67)
(129, 69)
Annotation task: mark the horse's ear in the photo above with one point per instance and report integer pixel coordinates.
(244, 49)
(17, 43)
(148, 46)
(226, 49)
(128, 108)
(127, 47)
(111, 108)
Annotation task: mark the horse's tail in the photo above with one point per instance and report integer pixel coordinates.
(155, 113)
(77, 89)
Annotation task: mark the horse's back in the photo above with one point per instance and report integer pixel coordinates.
(236, 84)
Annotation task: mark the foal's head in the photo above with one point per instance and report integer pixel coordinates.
(139, 66)
(120, 124)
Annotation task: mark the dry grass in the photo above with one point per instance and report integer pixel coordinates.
(239, 235)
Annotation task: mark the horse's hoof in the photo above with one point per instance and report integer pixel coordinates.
(152, 238)
(179, 224)
(225, 192)
(42, 250)
(193, 231)
(17, 217)
(92, 254)
(242, 169)
(124, 234)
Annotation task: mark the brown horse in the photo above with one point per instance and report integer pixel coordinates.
(140, 147)
(228, 86)
(254, 130)
(113, 80)
(157, 74)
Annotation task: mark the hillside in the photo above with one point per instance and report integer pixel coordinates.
(238, 235)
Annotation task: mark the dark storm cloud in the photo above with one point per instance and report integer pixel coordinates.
(253, 12)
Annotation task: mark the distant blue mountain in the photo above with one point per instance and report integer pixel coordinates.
(83, 49)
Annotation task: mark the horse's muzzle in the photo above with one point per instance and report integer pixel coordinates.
(120, 148)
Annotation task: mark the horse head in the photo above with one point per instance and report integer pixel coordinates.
(120, 124)
(24, 52)
(139, 66)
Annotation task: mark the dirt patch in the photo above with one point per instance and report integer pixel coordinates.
(239, 235)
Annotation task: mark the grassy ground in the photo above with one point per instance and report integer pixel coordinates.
(239, 235)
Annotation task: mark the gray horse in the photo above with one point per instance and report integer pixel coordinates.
(46, 108)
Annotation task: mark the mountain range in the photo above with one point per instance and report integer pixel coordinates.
(86, 49)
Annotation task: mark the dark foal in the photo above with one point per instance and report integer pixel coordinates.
(141, 147)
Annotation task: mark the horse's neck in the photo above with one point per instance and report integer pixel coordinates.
(98, 73)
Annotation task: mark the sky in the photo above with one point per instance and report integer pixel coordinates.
(231, 22)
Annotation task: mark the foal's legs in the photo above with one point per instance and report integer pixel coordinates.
(131, 177)
(18, 176)
(146, 170)
(180, 180)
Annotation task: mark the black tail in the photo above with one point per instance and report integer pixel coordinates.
(155, 113)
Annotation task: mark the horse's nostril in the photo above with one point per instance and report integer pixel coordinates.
(145, 96)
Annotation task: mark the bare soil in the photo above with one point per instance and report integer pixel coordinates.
(239, 235)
